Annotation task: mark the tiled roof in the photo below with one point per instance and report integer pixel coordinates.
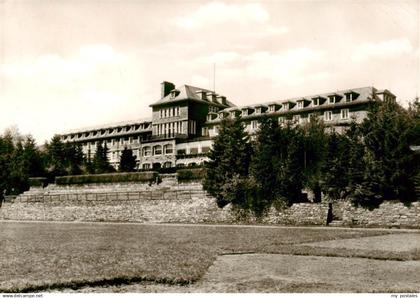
(109, 125)
(364, 94)
(187, 92)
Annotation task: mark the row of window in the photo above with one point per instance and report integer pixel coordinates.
(116, 141)
(109, 131)
(327, 116)
(169, 128)
(157, 150)
(175, 128)
(193, 151)
(344, 115)
(148, 166)
(169, 112)
(168, 164)
(285, 106)
(168, 149)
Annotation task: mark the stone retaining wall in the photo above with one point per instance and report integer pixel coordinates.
(389, 214)
(175, 202)
(167, 202)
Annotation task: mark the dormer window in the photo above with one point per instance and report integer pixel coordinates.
(334, 98)
(174, 93)
(315, 101)
(271, 108)
(350, 96)
(286, 106)
(245, 112)
(258, 110)
(300, 104)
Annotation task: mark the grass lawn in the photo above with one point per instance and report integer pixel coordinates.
(39, 256)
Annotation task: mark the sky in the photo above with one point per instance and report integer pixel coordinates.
(70, 64)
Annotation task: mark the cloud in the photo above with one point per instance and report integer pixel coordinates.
(271, 31)
(66, 89)
(201, 81)
(219, 12)
(292, 66)
(53, 69)
(288, 67)
(382, 50)
(220, 57)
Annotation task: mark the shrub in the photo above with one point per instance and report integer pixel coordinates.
(191, 174)
(107, 178)
(37, 181)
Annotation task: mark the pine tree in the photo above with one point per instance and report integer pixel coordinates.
(315, 141)
(127, 161)
(6, 156)
(74, 158)
(32, 157)
(291, 165)
(335, 172)
(228, 168)
(265, 165)
(56, 160)
(100, 160)
(390, 165)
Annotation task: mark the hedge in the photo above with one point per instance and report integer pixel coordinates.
(191, 174)
(37, 181)
(107, 178)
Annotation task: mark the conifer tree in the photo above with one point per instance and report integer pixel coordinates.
(127, 161)
(291, 166)
(315, 141)
(74, 158)
(88, 164)
(335, 173)
(265, 165)
(228, 168)
(390, 165)
(100, 160)
(6, 152)
(32, 158)
(56, 160)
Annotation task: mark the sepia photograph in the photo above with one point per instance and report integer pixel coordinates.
(209, 146)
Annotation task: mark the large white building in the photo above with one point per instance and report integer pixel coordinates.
(185, 120)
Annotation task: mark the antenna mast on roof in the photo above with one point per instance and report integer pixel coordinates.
(214, 77)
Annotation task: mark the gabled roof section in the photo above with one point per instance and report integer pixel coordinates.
(186, 92)
(365, 94)
(108, 126)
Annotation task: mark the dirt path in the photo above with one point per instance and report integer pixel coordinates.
(391, 243)
(287, 273)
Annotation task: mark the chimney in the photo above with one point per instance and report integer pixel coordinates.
(222, 100)
(201, 94)
(166, 88)
(211, 96)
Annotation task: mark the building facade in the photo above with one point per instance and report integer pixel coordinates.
(186, 119)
